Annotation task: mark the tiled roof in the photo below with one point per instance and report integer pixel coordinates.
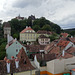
(66, 55)
(42, 36)
(64, 34)
(49, 46)
(28, 28)
(35, 48)
(73, 69)
(46, 57)
(44, 32)
(72, 39)
(24, 64)
(55, 50)
(63, 44)
(71, 50)
(6, 24)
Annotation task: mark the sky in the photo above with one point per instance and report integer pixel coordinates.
(61, 12)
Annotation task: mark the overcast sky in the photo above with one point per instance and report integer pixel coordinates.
(61, 12)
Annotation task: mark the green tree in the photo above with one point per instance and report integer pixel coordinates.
(36, 27)
(46, 27)
(16, 35)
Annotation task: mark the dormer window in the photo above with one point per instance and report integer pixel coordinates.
(25, 62)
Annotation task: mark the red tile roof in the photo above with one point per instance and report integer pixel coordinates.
(63, 44)
(71, 50)
(28, 28)
(73, 69)
(35, 48)
(49, 46)
(47, 57)
(66, 55)
(64, 34)
(22, 57)
(72, 39)
(44, 32)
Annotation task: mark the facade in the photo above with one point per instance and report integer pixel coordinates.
(7, 29)
(17, 66)
(13, 48)
(28, 34)
(43, 40)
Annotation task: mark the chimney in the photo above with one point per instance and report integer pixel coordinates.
(17, 62)
(26, 26)
(55, 45)
(8, 66)
(5, 58)
(71, 36)
(15, 39)
(42, 55)
(12, 57)
(63, 53)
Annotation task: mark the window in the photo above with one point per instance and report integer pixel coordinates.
(16, 42)
(16, 55)
(24, 62)
(16, 50)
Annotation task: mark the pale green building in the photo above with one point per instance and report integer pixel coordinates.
(13, 49)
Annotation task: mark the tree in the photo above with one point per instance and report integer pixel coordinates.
(72, 33)
(46, 27)
(36, 27)
(16, 35)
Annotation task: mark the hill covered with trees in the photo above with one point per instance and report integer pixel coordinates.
(18, 25)
(37, 24)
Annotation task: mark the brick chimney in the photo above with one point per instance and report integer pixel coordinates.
(12, 57)
(5, 58)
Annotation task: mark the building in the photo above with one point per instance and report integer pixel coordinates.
(17, 66)
(43, 40)
(34, 49)
(42, 32)
(13, 47)
(28, 34)
(20, 18)
(41, 59)
(7, 29)
(31, 18)
(64, 35)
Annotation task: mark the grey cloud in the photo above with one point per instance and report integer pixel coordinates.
(67, 22)
(25, 3)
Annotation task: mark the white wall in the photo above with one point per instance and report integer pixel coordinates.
(69, 45)
(60, 65)
(36, 62)
(50, 66)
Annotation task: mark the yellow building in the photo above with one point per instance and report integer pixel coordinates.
(28, 34)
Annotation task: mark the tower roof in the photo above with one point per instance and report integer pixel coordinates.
(6, 24)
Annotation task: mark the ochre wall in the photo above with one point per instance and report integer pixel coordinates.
(24, 73)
